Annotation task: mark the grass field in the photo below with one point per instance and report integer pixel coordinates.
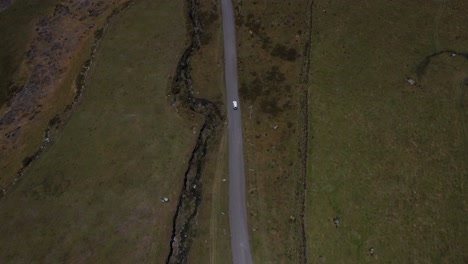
(94, 195)
(387, 161)
(386, 158)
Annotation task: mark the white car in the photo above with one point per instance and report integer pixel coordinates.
(234, 105)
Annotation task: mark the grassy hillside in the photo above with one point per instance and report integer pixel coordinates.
(387, 159)
(94, 196)
(46, 46)
(16, 31)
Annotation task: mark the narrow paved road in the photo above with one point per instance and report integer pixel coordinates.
(240, 244)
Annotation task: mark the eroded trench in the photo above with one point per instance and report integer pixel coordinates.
(181, 94)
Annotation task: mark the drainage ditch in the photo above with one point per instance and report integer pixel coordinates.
(181, 94)
(304, 140)
(422, 66)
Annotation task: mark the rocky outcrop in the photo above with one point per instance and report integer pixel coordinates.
(56, 47)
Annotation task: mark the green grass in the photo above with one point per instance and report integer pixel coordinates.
(386, 157)
(16, 31)
(94, 195)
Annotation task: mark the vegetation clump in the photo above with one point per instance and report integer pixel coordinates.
(284, 53)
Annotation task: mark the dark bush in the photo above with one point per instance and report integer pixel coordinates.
(98, 33)
(270, 106)
(284, 53)
(275, 75)
(291, 55)
(27, 161)
(253, 24)
(54, 121)
(266, 42)
(208, 18)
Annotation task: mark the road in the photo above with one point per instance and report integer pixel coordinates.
(240, 245)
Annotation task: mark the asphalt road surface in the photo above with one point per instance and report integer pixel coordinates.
(240, 244)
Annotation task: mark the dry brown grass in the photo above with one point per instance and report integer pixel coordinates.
(271, 37)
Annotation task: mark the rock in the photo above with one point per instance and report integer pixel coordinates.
(336, 221)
